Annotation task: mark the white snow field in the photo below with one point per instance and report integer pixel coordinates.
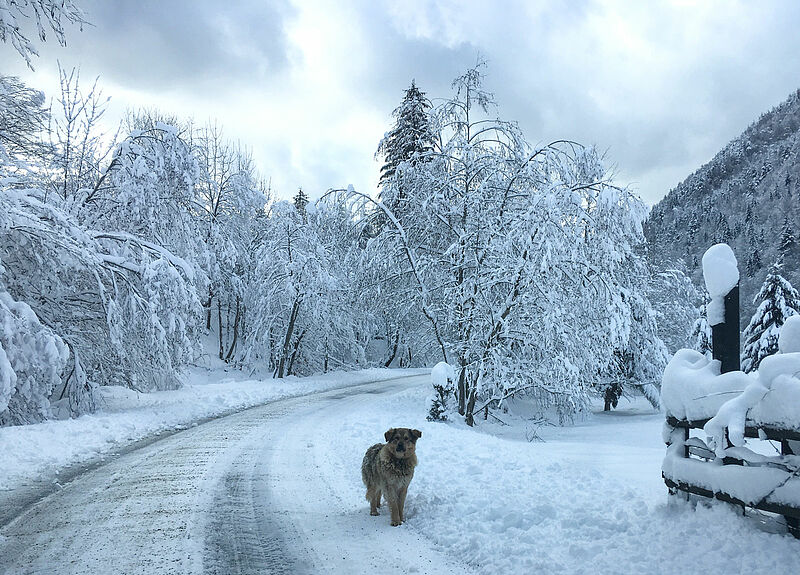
(277, 488)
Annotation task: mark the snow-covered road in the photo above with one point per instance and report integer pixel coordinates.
(253, 492)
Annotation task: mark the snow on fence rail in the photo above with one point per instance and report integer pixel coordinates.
(730, 407)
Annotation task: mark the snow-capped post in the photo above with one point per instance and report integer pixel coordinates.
(721, 274)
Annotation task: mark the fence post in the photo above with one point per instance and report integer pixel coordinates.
(721, 274)
(725, 340)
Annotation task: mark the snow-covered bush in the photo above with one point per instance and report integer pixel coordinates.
(31, 360)
(443, 379)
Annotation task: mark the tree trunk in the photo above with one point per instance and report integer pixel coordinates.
(468, 417)
(462, 389)
(219, 328)
(394, 349)
(208, 309)
(228, 320)
(288, 338)
(295, 349)
(235, 331)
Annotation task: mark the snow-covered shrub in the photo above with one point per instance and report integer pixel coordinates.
(31, 360)
(443, 399)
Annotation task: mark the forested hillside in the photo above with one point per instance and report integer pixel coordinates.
(748, 196)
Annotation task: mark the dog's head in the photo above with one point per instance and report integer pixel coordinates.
(402, 441)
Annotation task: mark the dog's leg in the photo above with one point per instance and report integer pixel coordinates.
(394, 505)
(373, 500)
(401, 502)
(378, 499)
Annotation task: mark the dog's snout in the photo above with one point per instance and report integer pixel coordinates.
(400, 447)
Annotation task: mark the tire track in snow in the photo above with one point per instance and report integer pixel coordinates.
(325, 498)
(211, 499)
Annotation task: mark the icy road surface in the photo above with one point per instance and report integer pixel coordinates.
(253, 492)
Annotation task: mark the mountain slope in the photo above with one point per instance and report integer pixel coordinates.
(748, 196)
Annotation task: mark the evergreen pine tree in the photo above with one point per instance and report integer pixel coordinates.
(779, 300)
(300, 202)
(409, 140)
(701, 332)
(753, 263)
(787, 240)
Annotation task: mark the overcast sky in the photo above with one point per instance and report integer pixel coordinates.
(310, 86)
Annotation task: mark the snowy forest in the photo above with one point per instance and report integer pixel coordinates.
(747, 196)
(523, 266)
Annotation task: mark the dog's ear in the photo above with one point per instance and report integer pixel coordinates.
(388, 434)
(416, 433)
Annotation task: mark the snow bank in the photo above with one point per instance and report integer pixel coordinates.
(721, 274)
(789, 338)
(30, 452)
(693, 389)
(587, 500)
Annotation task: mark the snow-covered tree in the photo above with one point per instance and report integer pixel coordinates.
(779, 300)
(518, 257)
(107, 248)
(23, 121)
(48, 15)
(410, 141)
(701, 332)
(228, 199)
(81, 151)
(787, 239)
(31, 360)
(675, 299)
(306, 313)
(300, 201)
(92, 267)
(638, 363)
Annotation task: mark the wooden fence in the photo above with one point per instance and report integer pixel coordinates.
(695, 448)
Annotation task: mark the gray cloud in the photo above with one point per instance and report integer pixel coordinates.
(180, 44)
(661, 86)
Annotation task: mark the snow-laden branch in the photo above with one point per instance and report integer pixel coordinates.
(154, 248)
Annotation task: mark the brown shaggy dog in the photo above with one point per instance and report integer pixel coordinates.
(387, 469)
